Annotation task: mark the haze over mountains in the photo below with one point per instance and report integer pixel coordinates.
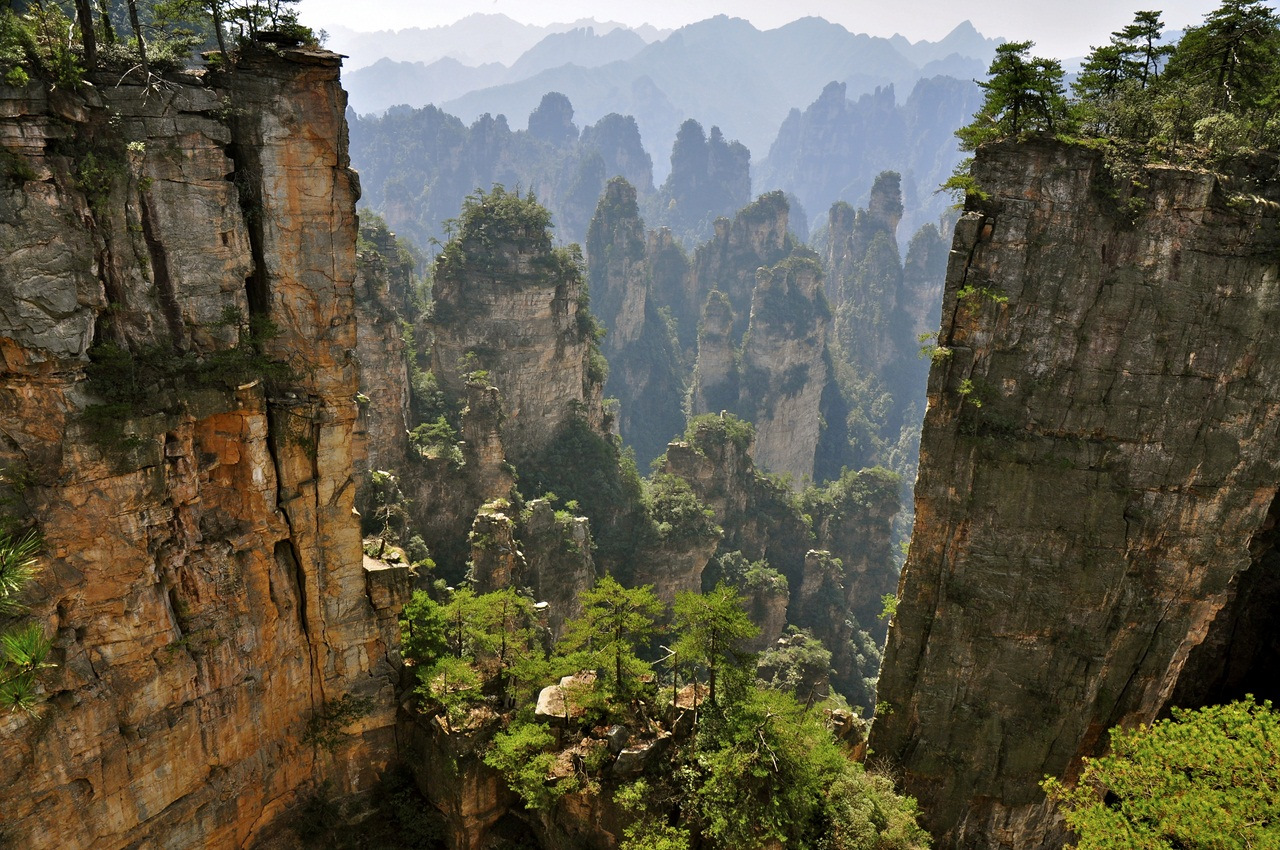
(722, 71)
(474, 40)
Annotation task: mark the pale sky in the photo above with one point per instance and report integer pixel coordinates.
(1061, 28)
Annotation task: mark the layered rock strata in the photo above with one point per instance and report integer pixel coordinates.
(201, 569)
(1098, 477)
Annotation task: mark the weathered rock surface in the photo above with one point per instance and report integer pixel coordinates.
(510, 308)
(557, 550)
(785, 366)
(645, 372)
(1089, 536)
(203, 576)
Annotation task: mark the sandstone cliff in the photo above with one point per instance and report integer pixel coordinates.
(1097, 484)
(202, 569)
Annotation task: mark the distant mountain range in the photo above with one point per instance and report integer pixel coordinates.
(475, 40)
(722, 71)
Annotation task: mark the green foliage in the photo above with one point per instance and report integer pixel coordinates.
(459, 646)
(677, 514)
(325, 728)
(709, 430)
(1024, 93)
(771, 771)
(493, 220)
(437, 439)
(453, 684)
(521, 754)
(24, 647)
(712, 627)
(1236, 51)
(888, 606)
(962, 186)
(748, 576)
(616, 623)
(594, 471)
(647, 827)
(1204, 778)
(798, 664)
(1214, 93)
(136, 384)
(422, 630)
(871, 489)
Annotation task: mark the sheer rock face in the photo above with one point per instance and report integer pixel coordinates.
(623, 268)
(203, 579)
(381, 287)
(785, 366)
(1081, 538)
(510, 315)
(558, 552)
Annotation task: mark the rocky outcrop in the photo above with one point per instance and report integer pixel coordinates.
(645, 372)
(785, 365)
(710, 178)
(756, 236)
(202, 571)
(715, 374)
(384, 280)
(835, 558)
(1097, 484)
(832, 150)
(557, 549)
(508, 310)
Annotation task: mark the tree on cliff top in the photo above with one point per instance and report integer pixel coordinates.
(712, 627)
(1205, 778)
(1023, 94)
(1236, 52)
(616, 622)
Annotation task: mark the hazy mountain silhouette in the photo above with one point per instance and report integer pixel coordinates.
(475, 40)
(725, 72)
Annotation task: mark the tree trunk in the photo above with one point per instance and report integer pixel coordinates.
(84, 17)
(108, 31)
(215, 9)
(137, 32)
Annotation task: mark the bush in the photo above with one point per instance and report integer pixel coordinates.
(521, 755)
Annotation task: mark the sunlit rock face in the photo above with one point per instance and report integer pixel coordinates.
(201, 571)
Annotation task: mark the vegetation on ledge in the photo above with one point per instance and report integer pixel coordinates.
(687, 742)
(1211, 96)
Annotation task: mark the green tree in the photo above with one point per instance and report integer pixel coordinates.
(712, 627)
(1236, 51)
(422, 630)
(770, 771)
(1024, 93)
(1204, 778)
(507, 639)
(615, 623)
(1140, 48)
(521, 754)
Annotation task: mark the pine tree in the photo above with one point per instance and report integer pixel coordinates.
(615, 623)
(1024, 93)
(1236, 51)
(23, 648)
(712, 627)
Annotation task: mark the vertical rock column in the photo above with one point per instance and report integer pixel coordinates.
(1099, 451)
(300, 194)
